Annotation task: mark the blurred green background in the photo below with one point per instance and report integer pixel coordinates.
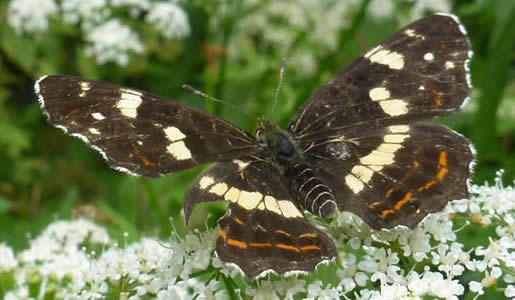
(233, 51)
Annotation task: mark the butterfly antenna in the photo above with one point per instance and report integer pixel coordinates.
(202, 94)
(281, 75)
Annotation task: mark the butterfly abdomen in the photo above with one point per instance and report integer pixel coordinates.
(310, 191)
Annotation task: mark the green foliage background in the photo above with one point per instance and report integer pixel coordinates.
(45, 174)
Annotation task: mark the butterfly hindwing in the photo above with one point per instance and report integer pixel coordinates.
(395, 175)
(136, 131)
(420, 72)
(263, 229)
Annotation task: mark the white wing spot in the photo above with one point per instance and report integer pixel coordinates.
(429, 56)
(398, 128)
(94, 131)
(84, 88)
(205, 182)
(174, 134)
(363, 173)
(421, 88)
(179, 150)
(449, 65)
(395, 138)
(289, 210)
(354, 184)
(392, 59)
(394, 107)
(272, 205)
(379, 93)
(129, 102)
(412, 33)
(219, 189)
(389, 148)
(232, 195)
(98, 116)
(249, 200)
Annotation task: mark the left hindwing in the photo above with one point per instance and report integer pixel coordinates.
(417, 73)
(138, 132)
(263, 229)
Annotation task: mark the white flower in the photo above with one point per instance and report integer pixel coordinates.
(509, 291)
(265, 291)
(447, 259)
(30, 15)
(7, 258)
(415, 243)
(476, 287)
(381, 9)
(422, 6)
(112, 42)
(90, 12)
(170, 19)
(315, 291)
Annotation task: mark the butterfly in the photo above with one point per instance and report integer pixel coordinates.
(356, 145)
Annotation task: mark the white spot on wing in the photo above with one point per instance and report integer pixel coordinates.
(429, 56)
(174, 134)
(84, 88)
(379, 93)
(412, 33)
(354, 183)
(232, 195)
(289, 209)
(249, 200)
(394, 107)
(362, 172)
(395, 138)
(219, 189)
(392, 59)
(129, 102)
(98, 116)
(272, 205)
(94, 131)
(179, 150)
(398, 128)
(449, 65)
(205, 182)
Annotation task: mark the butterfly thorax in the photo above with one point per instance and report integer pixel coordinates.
(278, 143)
(305, 187)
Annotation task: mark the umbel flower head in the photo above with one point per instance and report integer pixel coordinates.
(430, 260)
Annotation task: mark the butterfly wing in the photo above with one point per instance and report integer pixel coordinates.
(358, 132)
(395, 175)
(138, 132)
(263, 230)
(417, 73)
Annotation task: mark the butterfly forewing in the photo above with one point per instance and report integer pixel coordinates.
(417, 73)
(136, 131)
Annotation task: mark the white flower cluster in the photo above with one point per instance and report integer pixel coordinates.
(108, 38)
(282, 24)
(427, 261)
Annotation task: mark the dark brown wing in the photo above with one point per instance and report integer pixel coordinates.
(394, 175)
(263, 230)
(417, 73)
(138, 132)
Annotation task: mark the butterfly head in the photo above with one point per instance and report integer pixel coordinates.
(277, 142)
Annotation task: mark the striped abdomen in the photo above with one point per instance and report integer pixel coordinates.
(309, 191)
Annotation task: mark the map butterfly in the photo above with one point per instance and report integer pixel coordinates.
(355, 145)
